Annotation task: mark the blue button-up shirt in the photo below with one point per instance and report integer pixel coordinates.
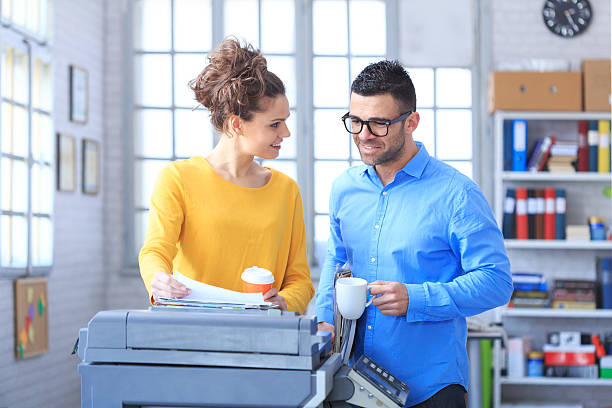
(432, 229)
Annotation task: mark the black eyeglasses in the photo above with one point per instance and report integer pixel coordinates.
(377, 127)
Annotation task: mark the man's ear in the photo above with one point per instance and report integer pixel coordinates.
(412, 122)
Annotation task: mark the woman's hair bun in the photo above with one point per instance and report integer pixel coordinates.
(234, 81)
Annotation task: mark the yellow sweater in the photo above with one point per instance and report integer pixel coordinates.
(211, 230)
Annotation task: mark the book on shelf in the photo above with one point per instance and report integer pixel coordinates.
(507, 130)
(603, 155)
(549, 215)
(577, 233)
(567, 304)
(575, 284)
(532, 209)
(560, 214)
(540, 153)
(593, 143)
(522, 231)
(583, 146)
(508, 221)
(519, 145)
(541, 209)
(604, 282)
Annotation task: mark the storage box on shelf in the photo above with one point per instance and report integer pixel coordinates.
(556, 259)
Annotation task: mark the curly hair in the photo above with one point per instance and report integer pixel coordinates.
(386, 77)
(234, 82)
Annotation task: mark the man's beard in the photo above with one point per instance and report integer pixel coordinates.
(393, 153)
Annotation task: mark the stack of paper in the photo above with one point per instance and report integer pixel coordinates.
(203, 295)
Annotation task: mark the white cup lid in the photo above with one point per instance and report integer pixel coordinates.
(258, 276)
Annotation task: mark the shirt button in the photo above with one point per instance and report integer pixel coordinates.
(384, 193)
(373, 259)
(370, 327)
(377, 226)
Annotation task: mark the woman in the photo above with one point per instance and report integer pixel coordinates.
(212, 217)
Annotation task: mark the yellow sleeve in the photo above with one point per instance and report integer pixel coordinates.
(166, 216)
(297, 286)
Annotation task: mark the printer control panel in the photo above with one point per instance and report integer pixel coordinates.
(379, 383)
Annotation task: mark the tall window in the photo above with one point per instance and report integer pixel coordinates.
(27, 148)
(347, 36)
(333, 39)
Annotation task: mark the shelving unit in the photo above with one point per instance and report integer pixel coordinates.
(554, 258)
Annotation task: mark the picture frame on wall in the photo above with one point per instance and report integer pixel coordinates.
(91, 166)
(66, 162)
(79, 94)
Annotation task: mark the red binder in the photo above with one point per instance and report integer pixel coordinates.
(522, 229)
(549, 215)
(583, 146)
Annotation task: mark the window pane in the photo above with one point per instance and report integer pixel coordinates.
(153, 129)
(6, 121)
(32, 15)
(14, 241)
(288, 146)
(277, 23)
(454, 134)
(152, 25)
(368, 27)
(141, 219)
(424, 133)
(186, 68)
(20, 131)
(42, 189)
(329, 29)
(242, 20)
(359, 63)
(284, 68)
(194, 133)
(453, 88)
(422, 78)
(284, 166)
(42, 137)
(43, 18)
(332, 141)
(152, 85)
(20, 85)
(19, 12)
(325, 174)
(321, 228)
(331, 82)
(464, 167)
(146, 175)
(19, 186)
(42, 242)
(192, 25)
(41, 92)
(6, 9)
(355, 155)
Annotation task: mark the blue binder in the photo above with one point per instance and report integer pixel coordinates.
(560, 214)
(519, 145)
(507, 145)
(593, 141)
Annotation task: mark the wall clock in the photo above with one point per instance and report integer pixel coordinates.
(567, 18)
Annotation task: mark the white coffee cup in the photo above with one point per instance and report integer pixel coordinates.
(351, 296)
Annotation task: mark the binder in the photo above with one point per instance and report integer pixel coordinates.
(519, 145)
(549, 215)
(507, 145)
(541, 209)
(521, 214)
(604, 272)
(583, 146)
(593, 141)
(486, 372)
(603, 158)
(508, 229)
(532, 208)
(560, 218)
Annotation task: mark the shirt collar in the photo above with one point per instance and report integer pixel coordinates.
(414, 167)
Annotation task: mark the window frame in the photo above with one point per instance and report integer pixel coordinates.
(35, 47)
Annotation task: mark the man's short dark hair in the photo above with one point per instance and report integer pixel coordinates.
(386, 77)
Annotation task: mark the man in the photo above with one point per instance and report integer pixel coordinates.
(422, 233)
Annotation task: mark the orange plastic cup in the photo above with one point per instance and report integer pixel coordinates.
(257, 280)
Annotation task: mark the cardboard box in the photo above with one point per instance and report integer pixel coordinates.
(596, 85)
(541, 91)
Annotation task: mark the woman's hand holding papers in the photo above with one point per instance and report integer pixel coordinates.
(163, 285)
(272, 296)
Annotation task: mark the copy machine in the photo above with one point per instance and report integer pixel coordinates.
(186, 357)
